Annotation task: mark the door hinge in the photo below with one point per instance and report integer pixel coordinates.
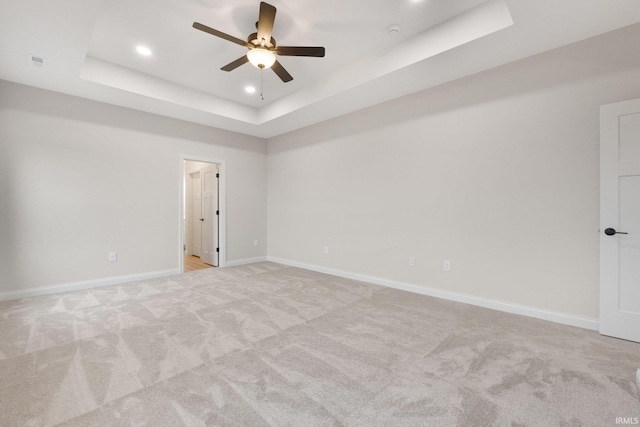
(217, 212)
(217, 175)
(217, 249)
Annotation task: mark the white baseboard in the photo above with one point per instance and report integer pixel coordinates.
(245, 261)
(565, 319)
(88, 284)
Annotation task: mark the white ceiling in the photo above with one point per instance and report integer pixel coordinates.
(89, 46)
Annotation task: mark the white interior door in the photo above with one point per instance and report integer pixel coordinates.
(210, 214)
(196, 214)
(620, 213)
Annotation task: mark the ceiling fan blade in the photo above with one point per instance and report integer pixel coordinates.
(281, 72)
(265, 22)
(235, 64)
(201, 27)
(317, 52)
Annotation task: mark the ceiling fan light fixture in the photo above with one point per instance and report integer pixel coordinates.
(262, 47)
(261, 58)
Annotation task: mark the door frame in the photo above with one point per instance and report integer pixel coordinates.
(222, 206)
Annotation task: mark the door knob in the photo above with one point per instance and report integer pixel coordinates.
(202, 219)
(612, 231)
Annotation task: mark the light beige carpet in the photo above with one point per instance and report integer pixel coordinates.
(265, 344)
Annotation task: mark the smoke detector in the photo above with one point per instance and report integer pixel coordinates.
(393, 30)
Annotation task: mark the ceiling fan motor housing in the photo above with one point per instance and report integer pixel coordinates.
(253, 39)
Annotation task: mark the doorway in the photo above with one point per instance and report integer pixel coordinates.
(201, 214)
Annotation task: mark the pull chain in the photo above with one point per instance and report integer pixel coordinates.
(261, 84)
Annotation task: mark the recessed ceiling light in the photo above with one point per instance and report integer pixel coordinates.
(250, 89)
(143, 50)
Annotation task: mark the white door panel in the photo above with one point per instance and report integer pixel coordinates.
(210, 215)
(196, 218)
(620, 212)
(629, 244)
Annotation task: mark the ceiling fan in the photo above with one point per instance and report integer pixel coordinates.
(262, 47)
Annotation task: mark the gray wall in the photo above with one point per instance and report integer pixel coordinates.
(497, 172)
(79, 179)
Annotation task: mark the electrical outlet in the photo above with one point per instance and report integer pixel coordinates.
(255, 243)
(326, 250)
(113, 257)
(446, 265)
(412, 261)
